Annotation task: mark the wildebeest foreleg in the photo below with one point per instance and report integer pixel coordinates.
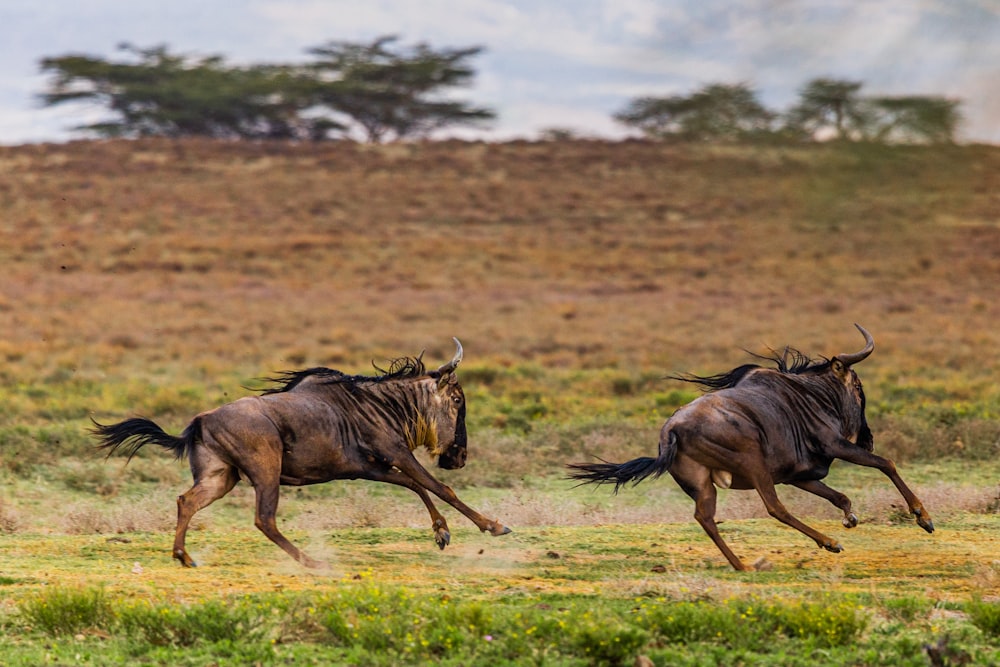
(851, 453)
(765, 488)
(838, 499)
(409, 466)
(441, 534)
(267, 492)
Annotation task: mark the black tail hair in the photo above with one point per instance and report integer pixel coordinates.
(633, 471)
(134, 433)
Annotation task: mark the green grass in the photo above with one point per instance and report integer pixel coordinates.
(546, 594)
(370, 623)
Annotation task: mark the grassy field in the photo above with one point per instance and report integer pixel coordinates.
(165, 278)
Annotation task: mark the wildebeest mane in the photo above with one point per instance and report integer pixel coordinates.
(790, 362)
(402, 368)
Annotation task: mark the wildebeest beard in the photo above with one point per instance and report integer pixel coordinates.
(454, 457)
(865, 438)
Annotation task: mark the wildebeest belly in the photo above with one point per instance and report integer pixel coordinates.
(317, 460)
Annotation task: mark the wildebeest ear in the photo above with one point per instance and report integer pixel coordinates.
(839, 368)
(445, 379)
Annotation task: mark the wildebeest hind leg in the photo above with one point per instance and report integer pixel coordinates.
(696, 481)
(838, 499)
(209, 486)
(442, 537)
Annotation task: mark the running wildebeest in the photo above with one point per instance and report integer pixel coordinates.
(315, 426)
(758, 427)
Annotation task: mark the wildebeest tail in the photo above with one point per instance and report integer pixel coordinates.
(633, 471)
(132, 434)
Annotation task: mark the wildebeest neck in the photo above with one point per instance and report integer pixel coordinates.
(404, 407)
(815, 397)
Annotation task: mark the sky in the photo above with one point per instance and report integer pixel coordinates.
(567, 64)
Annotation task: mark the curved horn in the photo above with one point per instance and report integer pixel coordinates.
(851, 359)
(451, 365)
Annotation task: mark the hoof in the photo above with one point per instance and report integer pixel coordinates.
(833, 547)
(317, 564)
(312, 564)
(442, 539)
(851, 520)
(924, 521)
(497, 531)
(184, 559)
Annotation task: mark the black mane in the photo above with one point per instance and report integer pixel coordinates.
(403, 368)
(790, 362)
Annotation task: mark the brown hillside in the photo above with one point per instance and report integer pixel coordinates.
(124, 257)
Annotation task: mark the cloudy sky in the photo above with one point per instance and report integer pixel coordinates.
(548, 63)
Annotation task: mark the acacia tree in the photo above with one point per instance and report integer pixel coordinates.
(393, 93)
(713, 113)
(827, 108)
(161, 94)
(369, 89)
(829, 105)
(915, 119)
(836, 107)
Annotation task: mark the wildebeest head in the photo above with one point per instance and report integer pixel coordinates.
(448, 413)
(855, 423)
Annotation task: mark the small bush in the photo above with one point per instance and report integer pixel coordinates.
(907, 609)
(394, 621)
(606, 641)
(752, 624)
(63, 611)
(214, 621)
(985, 616)
(829, 623)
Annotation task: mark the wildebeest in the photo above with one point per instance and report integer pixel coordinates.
(315, 426)
(758, 427)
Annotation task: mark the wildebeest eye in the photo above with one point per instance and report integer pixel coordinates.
(457, 400)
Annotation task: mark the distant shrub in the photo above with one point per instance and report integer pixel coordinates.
(23, 448)
(904, 437)
(623, 386)
(481, 375)
(10, 522)
(90, 477)
(172, 401)
(674, 399)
